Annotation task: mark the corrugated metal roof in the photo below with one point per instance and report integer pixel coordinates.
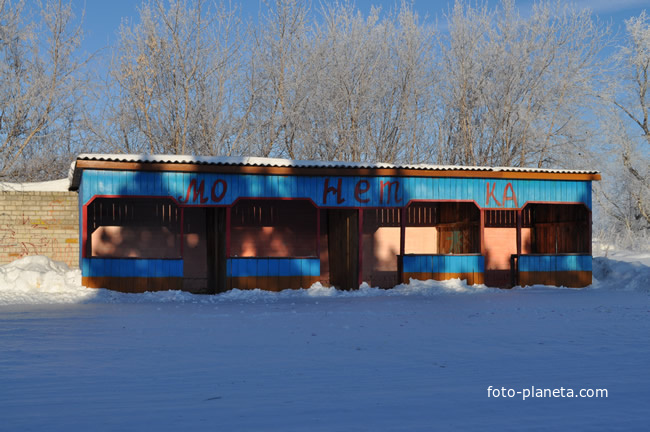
(274, 162)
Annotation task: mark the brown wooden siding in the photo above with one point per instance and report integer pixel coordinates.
(571, 279)
(343, 246)
(560, 228)
(133, 284)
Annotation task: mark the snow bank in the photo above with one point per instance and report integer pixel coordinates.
(415, 287)
(39, 280)
(622, 271)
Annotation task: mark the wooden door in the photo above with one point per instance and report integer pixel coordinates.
(343, 248)
(215, 221)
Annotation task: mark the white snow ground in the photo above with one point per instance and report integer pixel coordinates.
(418, 357)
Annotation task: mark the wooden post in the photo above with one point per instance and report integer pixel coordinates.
(518, 246)
(590, 240)
(228, 216)
(211, 249)
(360, 246)
(222, 276)
(402, 243)
(318, 232)
(482, 232)
(182, 233)
(84, 234)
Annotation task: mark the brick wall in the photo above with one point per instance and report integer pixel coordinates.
(39, 223)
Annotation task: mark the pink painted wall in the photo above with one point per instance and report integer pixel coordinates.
(501, 243)
(195, 246)
(134, 242)
(421, 240)
(274, 229)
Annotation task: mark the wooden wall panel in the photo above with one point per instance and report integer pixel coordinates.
(560, 228)
(130, 267)
(133, 284)
(570, 279)
(343, 233)
(456, 264)
(486, 192)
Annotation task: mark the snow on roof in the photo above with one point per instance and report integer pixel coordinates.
(275, 162)
(61, 185)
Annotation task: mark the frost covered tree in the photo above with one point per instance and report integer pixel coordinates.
(276, 92)
(172, 80)
(372, 82)
(626, 196)
(516, 89)
(341, 87)
(41, 93)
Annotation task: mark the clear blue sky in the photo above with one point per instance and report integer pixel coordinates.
(103, 17)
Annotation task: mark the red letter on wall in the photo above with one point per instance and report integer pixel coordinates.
(215, 197)
(491, 194)
(335, 190)
(358, 191)
(198, 193)
(382, 185)
(507, 197)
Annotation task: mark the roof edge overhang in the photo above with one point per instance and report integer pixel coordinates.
(268, 166)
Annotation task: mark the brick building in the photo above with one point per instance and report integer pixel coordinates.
(39, 219)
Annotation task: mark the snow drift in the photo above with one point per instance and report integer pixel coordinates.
(39, 280)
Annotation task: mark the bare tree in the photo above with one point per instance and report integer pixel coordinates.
(278, 73)
(516, 89)
(369, 86)
(40, 90)
(171, 83)
(626, 195)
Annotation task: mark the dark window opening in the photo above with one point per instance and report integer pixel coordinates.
(560, 228)
(443, 228)
(133, 228)
(273, 228)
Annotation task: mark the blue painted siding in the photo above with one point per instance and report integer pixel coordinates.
(444, 264)
(552, 263)
(131, 267)
(488, 193)
(243, 267)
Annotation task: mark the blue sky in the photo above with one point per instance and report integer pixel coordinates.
(103, 17)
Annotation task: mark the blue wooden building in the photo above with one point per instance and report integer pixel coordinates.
(207, 225)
